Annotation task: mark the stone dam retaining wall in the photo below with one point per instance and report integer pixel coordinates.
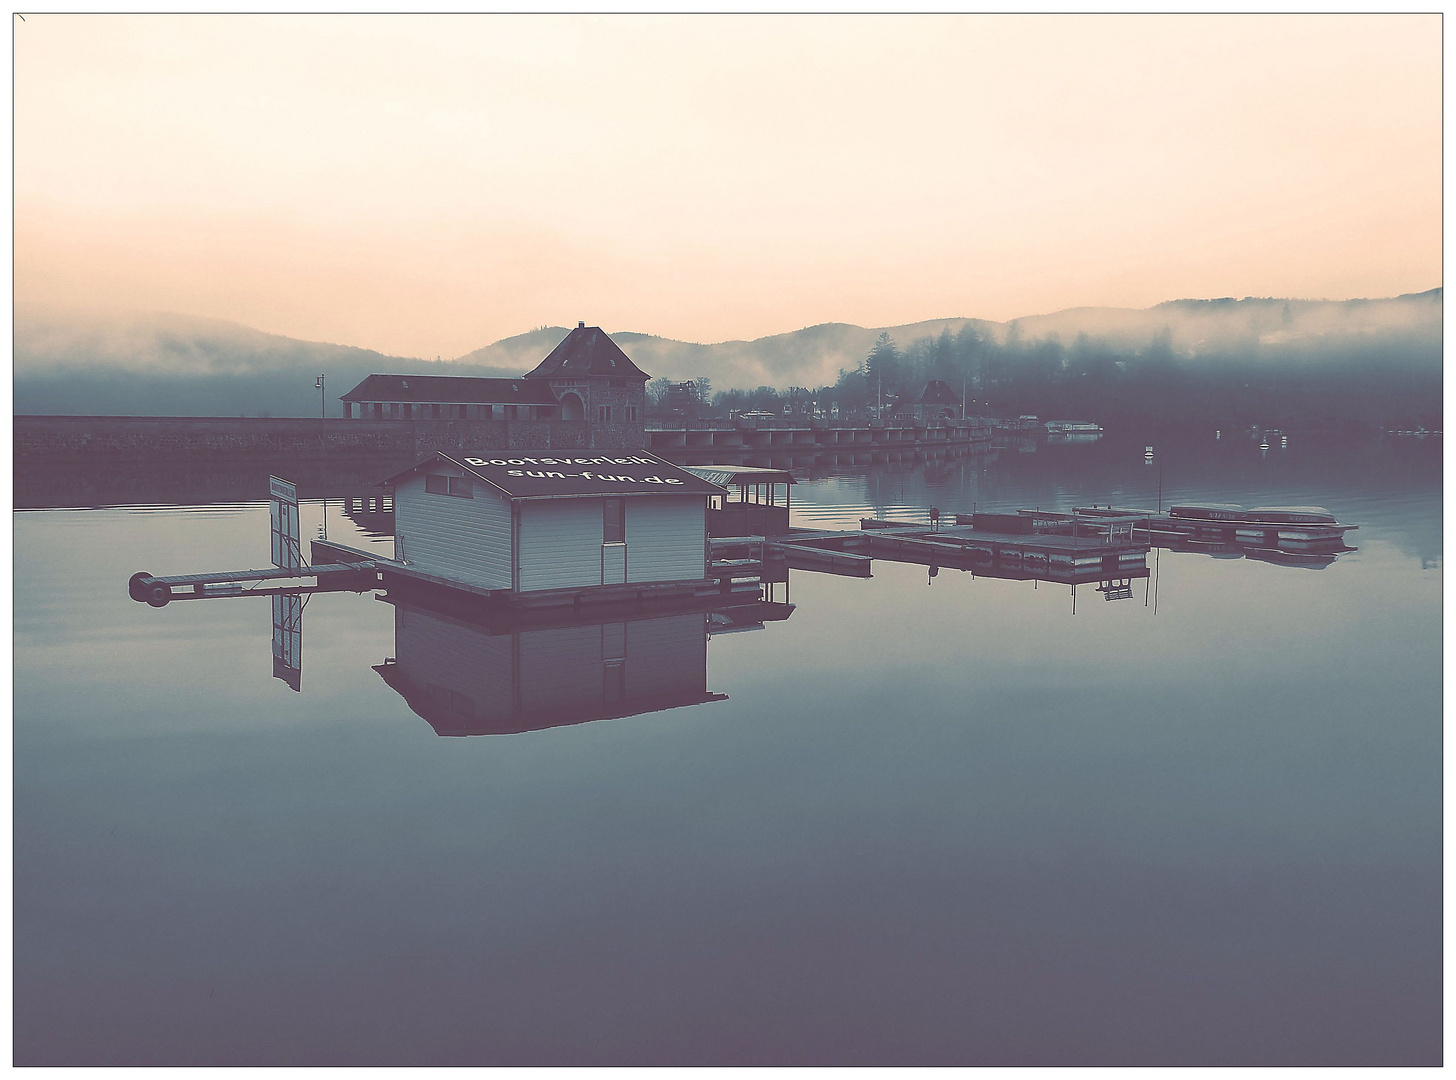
(55, 440)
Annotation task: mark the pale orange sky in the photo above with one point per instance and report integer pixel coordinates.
(427, 185)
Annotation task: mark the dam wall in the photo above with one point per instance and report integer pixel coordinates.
(58, 440)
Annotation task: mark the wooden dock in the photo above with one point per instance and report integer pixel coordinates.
(1046, 556)
(1314, 540)
(1053, 547)
(358, 574)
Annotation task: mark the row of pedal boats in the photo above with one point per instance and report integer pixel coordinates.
(1296, 529)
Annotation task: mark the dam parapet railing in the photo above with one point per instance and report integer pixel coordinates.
(53, 440)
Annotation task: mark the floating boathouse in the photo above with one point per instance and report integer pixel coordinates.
(762, 505)
(539, 526)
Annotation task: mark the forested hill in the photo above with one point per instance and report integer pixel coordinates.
(1188, 329)
(1374, 361)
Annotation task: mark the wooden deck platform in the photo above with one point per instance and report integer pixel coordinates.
(1052, 557)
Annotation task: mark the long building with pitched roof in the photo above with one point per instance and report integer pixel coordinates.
(587, 381)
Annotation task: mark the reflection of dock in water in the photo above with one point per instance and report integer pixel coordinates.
(466, 673)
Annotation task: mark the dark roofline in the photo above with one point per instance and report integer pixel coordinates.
(587, 352)
(452, 390)
(742, 474)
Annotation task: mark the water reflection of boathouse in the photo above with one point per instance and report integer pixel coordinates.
(469, 675)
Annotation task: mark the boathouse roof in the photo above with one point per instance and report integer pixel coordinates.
(587, 350)
(452, 389)
(572, 473)
(723, 475)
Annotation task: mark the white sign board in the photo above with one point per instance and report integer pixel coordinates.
(283, 523)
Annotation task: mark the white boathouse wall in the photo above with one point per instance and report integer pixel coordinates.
(466, 540)
(560, 543)
(666, 538)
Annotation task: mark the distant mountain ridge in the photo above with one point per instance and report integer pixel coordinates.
(806, 357)
(167, 364)
(814, 355)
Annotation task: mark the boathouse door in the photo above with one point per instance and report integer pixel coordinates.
(614, 542)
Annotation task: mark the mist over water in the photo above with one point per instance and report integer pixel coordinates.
(937, 820)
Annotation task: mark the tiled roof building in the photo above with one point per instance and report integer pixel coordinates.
(587, 378)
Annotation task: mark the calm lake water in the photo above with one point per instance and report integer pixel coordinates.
(935, 820)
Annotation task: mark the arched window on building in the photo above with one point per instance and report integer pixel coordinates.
(572, 407)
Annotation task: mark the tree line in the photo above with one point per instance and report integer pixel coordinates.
(1390, 379)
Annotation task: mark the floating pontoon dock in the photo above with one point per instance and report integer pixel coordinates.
(1291, 531)
(1048, 557)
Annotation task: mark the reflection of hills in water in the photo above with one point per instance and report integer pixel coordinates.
(468, 675)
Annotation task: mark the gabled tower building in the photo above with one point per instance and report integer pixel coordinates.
(587, 393)
(594, 380)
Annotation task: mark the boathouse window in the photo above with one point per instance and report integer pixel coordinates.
(631, 412)
(614, 530)
(604, 414)
(378, 411)
(459, 486)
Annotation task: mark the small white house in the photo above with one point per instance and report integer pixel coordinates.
(520, 524)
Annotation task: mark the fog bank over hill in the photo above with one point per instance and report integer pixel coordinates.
(1175, 358)
(815, 355)
(166, 364)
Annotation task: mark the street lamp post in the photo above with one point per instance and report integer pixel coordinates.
(323, 412)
